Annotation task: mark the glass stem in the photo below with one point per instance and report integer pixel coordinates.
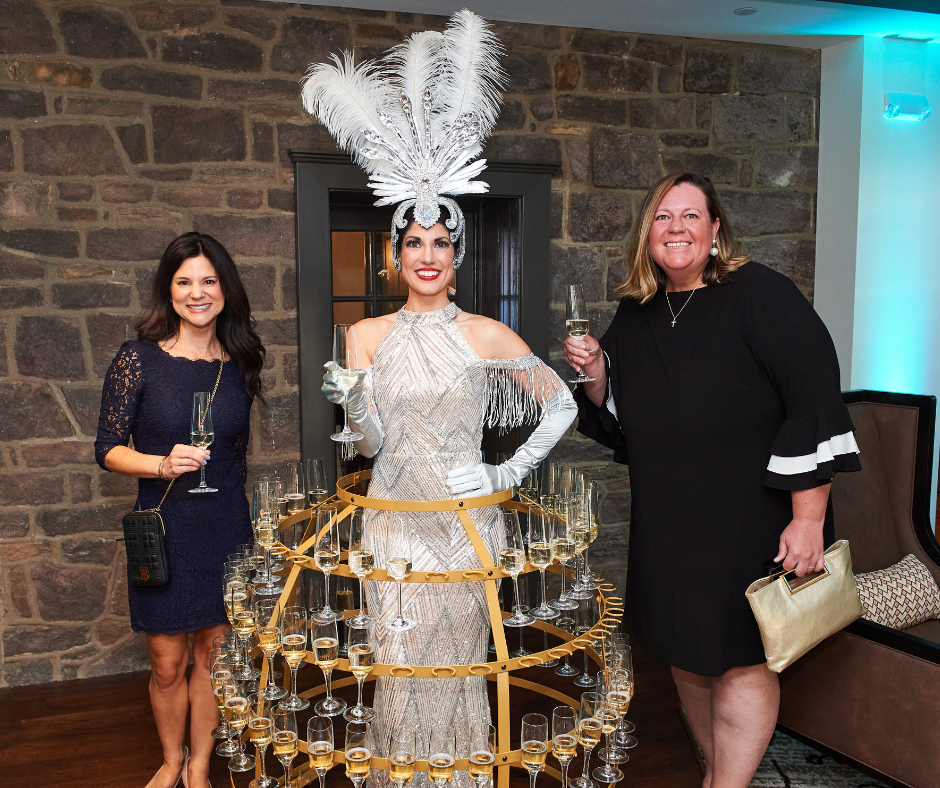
(533, 776)
(587, 569)
(564, 593)
(362, 599)
(326, 680)
(345, 417)
(267, 567)
(359, 682)
(587, 764)
(261, 751)
(293, 681)
(400, 615)
(286, 774)
(584, 651)
(544, 595)
(607, 766)
(564, 773)
(321, 773)
(516, 607)
(271, 669)
(327, 610)
(202, 475)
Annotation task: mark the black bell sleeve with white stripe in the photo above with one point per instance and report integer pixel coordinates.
(792, 344)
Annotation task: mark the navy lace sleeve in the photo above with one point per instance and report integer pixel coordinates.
(792, 344)
(120, 396)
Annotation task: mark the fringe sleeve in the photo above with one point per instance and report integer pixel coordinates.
(517, 390)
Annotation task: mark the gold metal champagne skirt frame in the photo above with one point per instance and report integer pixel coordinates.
(610, 611)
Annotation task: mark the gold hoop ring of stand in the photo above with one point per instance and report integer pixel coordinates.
(610, 611)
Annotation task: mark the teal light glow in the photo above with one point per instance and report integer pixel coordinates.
(906, 106)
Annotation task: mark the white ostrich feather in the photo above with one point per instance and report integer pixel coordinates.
(347, 100)
(415, 66)
(472, 74)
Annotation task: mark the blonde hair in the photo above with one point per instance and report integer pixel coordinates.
(645, 278)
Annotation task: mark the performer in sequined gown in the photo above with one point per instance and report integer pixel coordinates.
(435, 375)
(416, 121)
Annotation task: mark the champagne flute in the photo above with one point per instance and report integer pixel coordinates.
(268, 626)
(591, 505)
(524, 601)
(320, 746)
(442, 754)
(236, 710)
(610, 719)
(316, 482)
(345, 600)
(326, 554)
(261, 732)
(585, 617)
(358, 752)
(294, 649)
(244, 627)
(326, 655)
(401, 755)
(577, 322)
(512, 560)
(361, 655)
(579, 531)
(347, 374)
(619, 694)
(549, 481)
(482, 754)
(589, 734)
(622, 736)
(296, 496)
(361, 558)
(398, 565)
(563, 542)
(285, 740)
(541, 554)
(534, 744)
(223, 688)
(202, 434)
(529, 487)
(566, 623)
(564, 738)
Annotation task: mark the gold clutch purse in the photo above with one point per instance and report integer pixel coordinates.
(796, 613)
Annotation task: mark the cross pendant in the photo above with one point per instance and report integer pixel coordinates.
(673, 322)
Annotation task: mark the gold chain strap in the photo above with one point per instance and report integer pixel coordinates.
(215, 388)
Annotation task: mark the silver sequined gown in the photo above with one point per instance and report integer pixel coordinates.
(432, 393)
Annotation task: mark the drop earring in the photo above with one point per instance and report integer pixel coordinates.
(714, 250)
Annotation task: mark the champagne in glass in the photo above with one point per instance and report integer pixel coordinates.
(326, 655)
(236, 710)
(534, 744)
(512, 561)
(202, 434)
(482, 754)
(361, 558)
(316, 482)
(541, 554)
(358, 752)
(441, 756)
(285, 740)
(398, 565)
(563, 542)
(402, 751)
(224, 687)
(347, 374)
(610, 718)
(320, 746)
(577, 322)
(294, 649)
(326, 554)
(589, 734)
(261, 733)
(564, 738)
(268, 630)
(361, 648)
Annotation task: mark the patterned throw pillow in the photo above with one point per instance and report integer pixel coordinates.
(901, 595)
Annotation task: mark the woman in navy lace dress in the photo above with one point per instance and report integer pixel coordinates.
(198, 319)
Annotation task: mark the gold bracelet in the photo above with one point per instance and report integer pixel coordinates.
(160, 468)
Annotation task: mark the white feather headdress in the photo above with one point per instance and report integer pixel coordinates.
(416, 119)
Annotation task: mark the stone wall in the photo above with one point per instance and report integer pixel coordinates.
(124, 124)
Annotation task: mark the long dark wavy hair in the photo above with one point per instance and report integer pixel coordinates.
(234, 327)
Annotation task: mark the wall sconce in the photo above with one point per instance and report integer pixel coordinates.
(906, 106)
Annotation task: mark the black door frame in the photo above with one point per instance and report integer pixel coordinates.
(316, 174)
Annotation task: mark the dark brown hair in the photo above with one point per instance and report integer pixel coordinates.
(645, 277)
(234, 328)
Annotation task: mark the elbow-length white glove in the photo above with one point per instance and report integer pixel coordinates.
(361, 419)
(482, 479)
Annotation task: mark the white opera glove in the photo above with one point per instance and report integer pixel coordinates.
(481, 479)
(360, 418)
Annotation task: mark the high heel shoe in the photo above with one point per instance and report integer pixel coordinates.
(184, 772)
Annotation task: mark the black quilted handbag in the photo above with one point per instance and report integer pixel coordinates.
(148, 559)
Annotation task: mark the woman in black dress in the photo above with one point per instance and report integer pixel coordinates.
(727, 407)
(198, 319)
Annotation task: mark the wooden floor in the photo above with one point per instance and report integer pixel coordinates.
(99, 733)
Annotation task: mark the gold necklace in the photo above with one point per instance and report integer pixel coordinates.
(192, 355)
(676, 314)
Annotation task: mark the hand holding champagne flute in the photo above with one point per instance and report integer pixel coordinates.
(346, 374)
(202, 434)
(577, 322)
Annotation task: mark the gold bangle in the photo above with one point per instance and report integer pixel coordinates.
(160, 469)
